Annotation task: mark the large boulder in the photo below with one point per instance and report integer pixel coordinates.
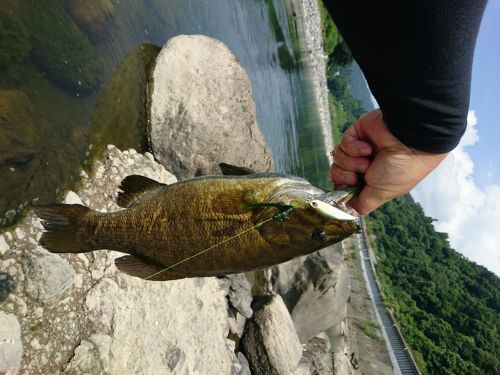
(315, 289)
(202, 110)
(93, 16)
(270, 342)
(61, 49)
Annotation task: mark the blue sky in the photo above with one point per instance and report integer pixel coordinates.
(463, 193)
(485, 98)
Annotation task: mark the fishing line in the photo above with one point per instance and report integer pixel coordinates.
(280, 216)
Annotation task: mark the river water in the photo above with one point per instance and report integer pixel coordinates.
(54, 68)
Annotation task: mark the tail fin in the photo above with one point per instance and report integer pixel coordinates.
(62, 222)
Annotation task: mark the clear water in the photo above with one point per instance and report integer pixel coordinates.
(263, 34)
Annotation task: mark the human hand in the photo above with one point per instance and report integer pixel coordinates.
(389, 167)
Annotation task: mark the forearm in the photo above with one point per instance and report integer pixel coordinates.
(417, 59)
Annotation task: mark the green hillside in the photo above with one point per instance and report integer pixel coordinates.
(447, 306)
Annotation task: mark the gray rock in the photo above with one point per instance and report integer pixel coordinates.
(178, 326)
(270, 342)
(245, 367)
(240, 294)
(11, 348)
(202, 111)
(4, 246)
(48, 275)
(90, 354)
(236, 323)
(317, 358)
(315, 290)
(72, 198)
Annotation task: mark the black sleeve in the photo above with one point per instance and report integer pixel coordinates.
(417, 59)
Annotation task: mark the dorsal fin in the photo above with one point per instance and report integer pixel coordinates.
(233, 170)
(137, 267)
(134, 187)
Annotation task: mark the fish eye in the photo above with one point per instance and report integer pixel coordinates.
(318, 235)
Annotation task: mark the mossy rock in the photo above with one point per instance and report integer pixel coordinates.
(61, 49)
(17, 128)
(92, 16)
(14, 42)
(19, 145)
(120, 117)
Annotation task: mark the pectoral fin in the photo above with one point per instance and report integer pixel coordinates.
(137, 267)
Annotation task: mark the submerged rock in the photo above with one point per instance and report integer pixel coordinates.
(18, 133)
(270, 342)
(14, 42)
(11, 349)
(61, 49)
(120, 115)
(202, 111)
(93, 16)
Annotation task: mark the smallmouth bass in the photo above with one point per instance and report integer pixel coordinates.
(205, 226)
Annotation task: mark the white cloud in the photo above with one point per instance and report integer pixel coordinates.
(492, 171)
(469, 214)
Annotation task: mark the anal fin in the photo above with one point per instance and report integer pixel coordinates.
(137, 267)
(134, 188)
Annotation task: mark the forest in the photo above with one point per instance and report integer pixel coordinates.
(447, 306)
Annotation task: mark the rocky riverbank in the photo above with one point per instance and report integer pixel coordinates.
(78, 314)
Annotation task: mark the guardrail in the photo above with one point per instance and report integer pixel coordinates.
(403, 361)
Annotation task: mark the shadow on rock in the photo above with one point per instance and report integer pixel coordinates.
(7, 285)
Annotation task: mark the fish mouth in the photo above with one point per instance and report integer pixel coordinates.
(333, 204)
